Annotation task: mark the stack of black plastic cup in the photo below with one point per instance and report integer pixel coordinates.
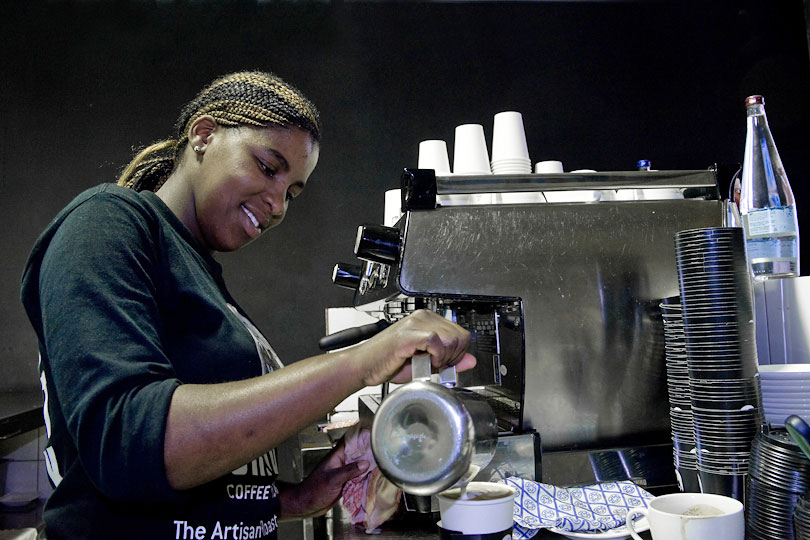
(680, 401)
(779, 474)
(718, 323)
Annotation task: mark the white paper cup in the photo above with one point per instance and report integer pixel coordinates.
(619, 195)
(509, 139)
(658, 194)
(470, 155)
(433, 155)
(573, 196)
(692, 516)
(478, 515)
(393, 207)
(521, 197)
(546, 167)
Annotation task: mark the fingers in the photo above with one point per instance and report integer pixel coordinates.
(339, 476)
(420, 332)
(467, 361)
(447, 344)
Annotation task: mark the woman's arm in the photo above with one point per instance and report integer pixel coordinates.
(213, 429)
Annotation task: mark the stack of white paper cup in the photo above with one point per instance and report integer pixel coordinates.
(510, 153)
(470, 155)
(433, 155)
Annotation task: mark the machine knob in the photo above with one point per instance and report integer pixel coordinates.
(377, 243)
(347, 275)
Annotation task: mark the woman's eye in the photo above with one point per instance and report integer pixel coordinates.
(269, 171)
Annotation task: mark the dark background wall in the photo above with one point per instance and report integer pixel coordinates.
(600, 85)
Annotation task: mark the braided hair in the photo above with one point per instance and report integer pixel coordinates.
(251, 98)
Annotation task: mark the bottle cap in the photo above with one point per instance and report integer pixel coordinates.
(754, 100)
(643, 164)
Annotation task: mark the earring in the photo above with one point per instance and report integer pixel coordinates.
(197, 149)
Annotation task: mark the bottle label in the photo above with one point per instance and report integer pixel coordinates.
(785, 248)
(769, 222)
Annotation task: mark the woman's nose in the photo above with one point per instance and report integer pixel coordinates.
(277, 200)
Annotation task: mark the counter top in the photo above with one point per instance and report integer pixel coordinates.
(20, 411)
(411, 526)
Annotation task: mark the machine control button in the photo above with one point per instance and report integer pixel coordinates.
(378, 243)
(347, 275)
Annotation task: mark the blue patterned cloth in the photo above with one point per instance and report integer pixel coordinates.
(595, 508)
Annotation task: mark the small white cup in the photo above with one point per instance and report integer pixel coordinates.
(433, 155)
(470, 155)
(691, 516)
(573, 196)
(509, 142)
(393, 207)
(546, 167)
(478, 515)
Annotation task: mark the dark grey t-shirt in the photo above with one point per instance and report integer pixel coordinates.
(127, 306)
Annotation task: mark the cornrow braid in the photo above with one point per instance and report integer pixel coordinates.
(251, 98)
(149, 174)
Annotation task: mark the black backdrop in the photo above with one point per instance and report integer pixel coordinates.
(600, 85)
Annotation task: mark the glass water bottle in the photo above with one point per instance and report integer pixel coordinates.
(767, 206)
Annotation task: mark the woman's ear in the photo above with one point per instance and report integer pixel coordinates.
(200, 131)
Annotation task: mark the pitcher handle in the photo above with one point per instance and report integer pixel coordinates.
(628, 520)
(420, 371)
(420, 367)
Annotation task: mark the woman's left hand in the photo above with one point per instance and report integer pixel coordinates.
(322, 488)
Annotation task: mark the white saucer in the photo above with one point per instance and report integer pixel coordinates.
(640, 525)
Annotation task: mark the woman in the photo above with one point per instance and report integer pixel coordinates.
(163, 401)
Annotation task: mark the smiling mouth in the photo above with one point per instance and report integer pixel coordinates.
(251, 216)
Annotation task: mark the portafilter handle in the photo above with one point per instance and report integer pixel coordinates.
(350, 336)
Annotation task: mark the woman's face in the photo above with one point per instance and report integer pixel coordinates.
(245, 181)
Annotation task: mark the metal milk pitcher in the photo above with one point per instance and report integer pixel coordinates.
(427, 437)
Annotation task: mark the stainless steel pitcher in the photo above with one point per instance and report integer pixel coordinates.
(427, 437)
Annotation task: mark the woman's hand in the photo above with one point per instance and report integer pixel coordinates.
(388, 353)
(322, 488)
(214, 428)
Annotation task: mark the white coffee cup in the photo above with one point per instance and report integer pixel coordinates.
(550, 166)
(691, 516)
(487, 508)
(470, 155)
(433, 155)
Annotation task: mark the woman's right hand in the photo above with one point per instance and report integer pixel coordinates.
(387, 355)
(214, 428)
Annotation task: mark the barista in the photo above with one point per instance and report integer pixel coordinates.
(163, 401)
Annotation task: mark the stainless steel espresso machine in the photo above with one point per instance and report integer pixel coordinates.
(561, 299)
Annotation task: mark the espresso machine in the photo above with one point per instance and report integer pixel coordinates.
(558, 277)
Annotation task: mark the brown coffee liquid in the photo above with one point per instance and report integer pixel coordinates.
(478, 493)
(702, 510)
